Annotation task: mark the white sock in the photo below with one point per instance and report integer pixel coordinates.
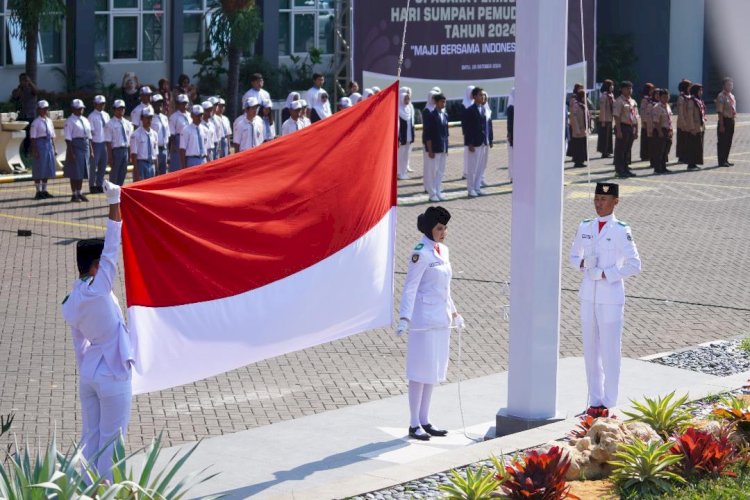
(424, 407)
(39, 188)
(44, 186)
(77, 192)
(415, 399)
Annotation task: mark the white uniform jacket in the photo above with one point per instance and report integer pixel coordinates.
(426, 299)
(95, 318)
(611, 251)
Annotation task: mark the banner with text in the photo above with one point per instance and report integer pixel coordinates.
(455, 43)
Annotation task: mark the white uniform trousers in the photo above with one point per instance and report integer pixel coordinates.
(437, 166)
(427, 173)
(404, 151)
(105, 410)
(601, 325)
(510, 163)
(476, 163)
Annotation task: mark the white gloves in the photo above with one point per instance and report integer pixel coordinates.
(459, 322)
(403, 327)
(112, 192)
(594, 273)
(590, 262)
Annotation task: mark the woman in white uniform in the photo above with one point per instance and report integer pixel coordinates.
(427, 311)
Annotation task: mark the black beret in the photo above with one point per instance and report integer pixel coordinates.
(608, 188)
(87, 251)
(433, 216)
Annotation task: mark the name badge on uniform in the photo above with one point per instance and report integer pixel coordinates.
(587, 236)
(435, 264)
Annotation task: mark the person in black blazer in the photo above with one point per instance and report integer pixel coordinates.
(405, 132)
(436, 145)
(477, 126)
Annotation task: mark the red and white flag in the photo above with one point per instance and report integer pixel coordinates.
(276, 249)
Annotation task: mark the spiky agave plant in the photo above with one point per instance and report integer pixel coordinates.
(477, 485)
(643, 467)
(663, 414)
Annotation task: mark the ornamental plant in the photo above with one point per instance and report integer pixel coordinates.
(703, 454)
(475, 486)
(643, 468)
(662, 414)
(538, 476)
(583, 427)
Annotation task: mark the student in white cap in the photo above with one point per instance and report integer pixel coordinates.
(218, 129)
(80, 151)
(226, 128)
(303, 115)
(144, 147)
(102, 344)
(293, 123)
(292, 97)
(367, 93)
(160, 125)
(405, 133)
(42, 135)
(321, 108)
(344, 103)
(269, 127)
(194, 140)
(145, 96)
(117, 135)
(355, 98)
(375, 90)
(177, 122)
(98, 119)
(248, 128)
(208, 111)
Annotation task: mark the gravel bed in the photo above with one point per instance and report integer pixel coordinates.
(721, 358)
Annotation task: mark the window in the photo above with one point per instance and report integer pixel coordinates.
(129, 30)
(194, 28)
(306, 24)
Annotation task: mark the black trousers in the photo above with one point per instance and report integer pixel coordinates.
(578, 150)
(724, 140)
(604, 143)
(680, 147)
(694, 148)
(623, 145)
(644, 144)
(660, 147)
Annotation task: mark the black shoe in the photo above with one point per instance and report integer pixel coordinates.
(630, 173)
(659, 172)
(665, 170)
(693, 167)
(729, 164)
(420, 437)
(82, 197)
(622, 176)
(725, 164)
(429, 429)
(75, 199)
(47, 194)
(604, 157)
(39, 195)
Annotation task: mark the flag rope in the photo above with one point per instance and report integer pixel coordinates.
(403, 41)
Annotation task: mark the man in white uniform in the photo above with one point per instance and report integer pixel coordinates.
(117, 134)
(160, 124)
(248, 128)
(605, 254)
(102, 343)
(177, 121)
(135, 115)
(98, 119)
(194, 140)
(144, 147)
(293, 123)
(256, 89)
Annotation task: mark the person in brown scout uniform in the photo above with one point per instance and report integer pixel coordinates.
(695, 113)
(647, 103)
(726, 107)
(682, 99)
(625, 113)
(570, 103)
(579, 129)
(661, 140)
(606, 101)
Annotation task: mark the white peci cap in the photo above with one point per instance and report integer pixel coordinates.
(42, 104)
(345, 102)
(147, 112)
(157, 98)
(77, 104)
(221, 101)
(100, 99)
(182, 98)
(296, 105)
(197, 109)
(302, 102)
(251, 102)
(213, 100)
(119, 103)
(206, 105)
(146, 90)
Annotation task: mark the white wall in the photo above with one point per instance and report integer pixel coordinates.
(686, 36)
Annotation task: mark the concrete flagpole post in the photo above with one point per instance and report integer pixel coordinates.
(536, 223)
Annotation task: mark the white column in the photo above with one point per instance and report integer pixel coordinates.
(541, 46)
(686, 37)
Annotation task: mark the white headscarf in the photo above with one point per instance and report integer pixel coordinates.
(437, 90)
(512, 97)
(293, 96)
(323, 109)
(406, 90)
(405, 111)
(375, 90)
(367, 93)
(430, 99)
(487, 109)
(468, 99)
(355, 97)
(345, 102)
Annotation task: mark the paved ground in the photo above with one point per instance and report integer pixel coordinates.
(691, 230)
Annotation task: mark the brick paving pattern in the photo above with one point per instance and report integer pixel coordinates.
(691, 230)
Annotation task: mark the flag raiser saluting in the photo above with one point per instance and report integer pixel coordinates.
(265, 252)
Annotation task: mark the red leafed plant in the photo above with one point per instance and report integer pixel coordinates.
(583, 427)
(704, 454)
(538, 476)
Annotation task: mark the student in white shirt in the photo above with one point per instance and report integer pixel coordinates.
(98, 119)
(42, 135)
(248, 128)
(226, 128)
(194, 140)
(145, 96)
(160, 125)
(117, 134)
(177, 121)
(269, 127)
(303, 116)
(208, 112)
(256, 89)
(321, 108)
(80, 152)
(311, 96)
(294, 122)
(144, 147)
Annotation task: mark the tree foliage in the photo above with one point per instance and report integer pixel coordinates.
(27, 15)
